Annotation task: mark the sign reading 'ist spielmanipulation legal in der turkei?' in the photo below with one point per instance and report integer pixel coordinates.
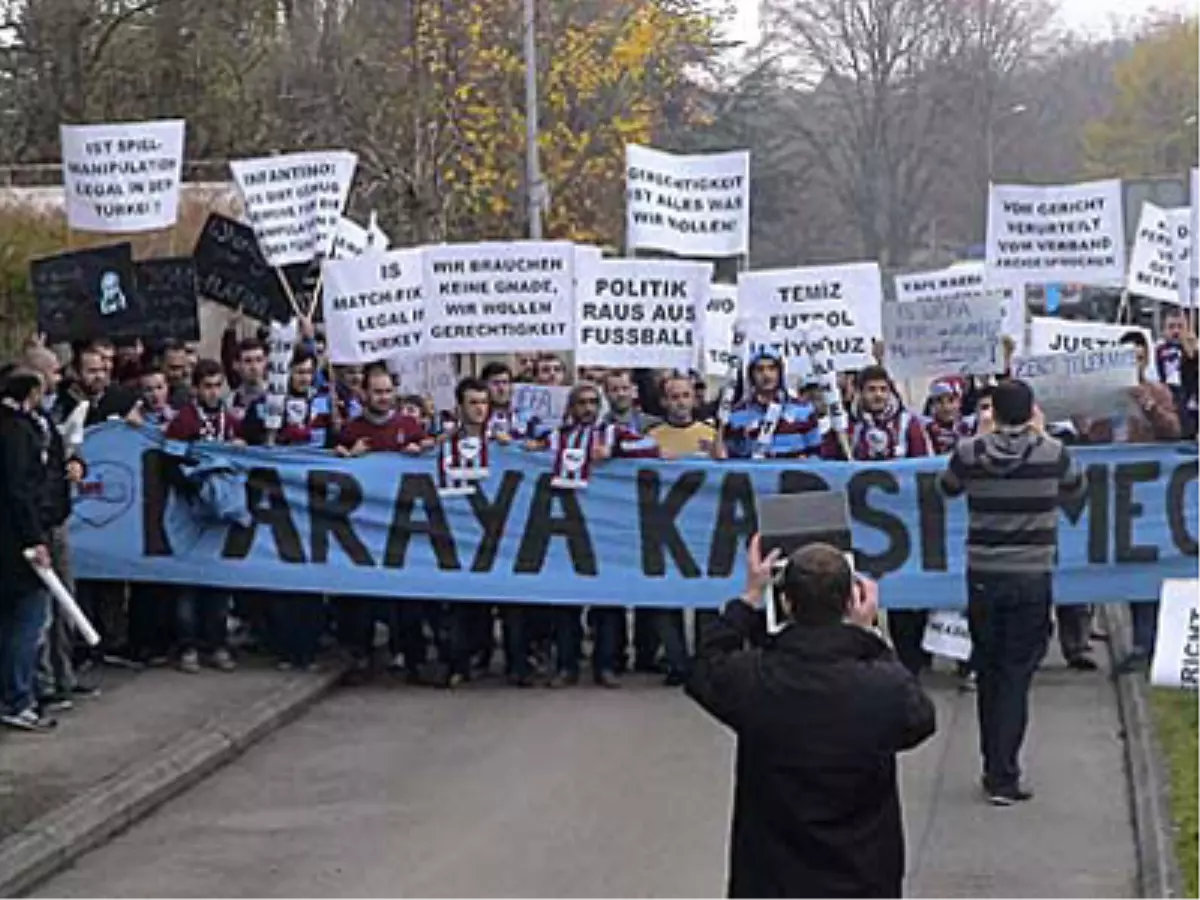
(122, 177)
(497, 297)
(1041, 235)
(697, 205)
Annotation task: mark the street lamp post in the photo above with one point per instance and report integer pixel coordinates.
(992, 122)
(533, 174)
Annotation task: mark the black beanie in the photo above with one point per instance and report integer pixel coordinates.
(1012, 403)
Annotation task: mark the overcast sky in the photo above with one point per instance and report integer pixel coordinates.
(1089, 16)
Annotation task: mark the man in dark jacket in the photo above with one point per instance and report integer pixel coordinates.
(94, 384)
(102, 601)
(820, 711)
(64, 467)
(23, 599)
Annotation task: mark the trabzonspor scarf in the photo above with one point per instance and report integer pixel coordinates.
(573, 456)
(946, 437)
(881, 436)
(1168, 357)
(462, 461)
(212, 422)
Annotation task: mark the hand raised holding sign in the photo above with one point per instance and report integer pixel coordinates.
(759, 572)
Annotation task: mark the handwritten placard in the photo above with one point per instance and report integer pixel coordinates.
(1092, 384)
(543, 403)
(943, 337)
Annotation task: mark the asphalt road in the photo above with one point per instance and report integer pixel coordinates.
(495, 792)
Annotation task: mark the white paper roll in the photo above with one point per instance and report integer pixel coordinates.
(65, 601)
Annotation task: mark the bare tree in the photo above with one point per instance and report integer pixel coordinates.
(889, 90)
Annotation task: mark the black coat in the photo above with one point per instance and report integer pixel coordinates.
(56, 493)
(820, 714)
(114, 402)
(22, 481)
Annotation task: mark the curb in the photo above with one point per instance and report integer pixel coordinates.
(56, 839)
(1158, 870)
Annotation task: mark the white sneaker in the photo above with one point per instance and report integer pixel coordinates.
(223, 661)
(29, 720)
(189, 662)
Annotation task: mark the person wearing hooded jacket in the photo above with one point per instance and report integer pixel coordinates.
(24, 602)
(1014, 477)
(769, 423)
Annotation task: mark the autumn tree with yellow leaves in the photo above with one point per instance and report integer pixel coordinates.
(1151, 128)
(428, 92)
(449, 152)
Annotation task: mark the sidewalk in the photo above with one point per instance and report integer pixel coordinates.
(146, 736)
(1074, 839)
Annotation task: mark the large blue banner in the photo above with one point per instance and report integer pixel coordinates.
(643, 533)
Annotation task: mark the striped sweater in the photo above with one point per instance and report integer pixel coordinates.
(1013, 479)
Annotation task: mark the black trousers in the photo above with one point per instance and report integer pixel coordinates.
(907, 628)
(1009, 617)
(1074, 629)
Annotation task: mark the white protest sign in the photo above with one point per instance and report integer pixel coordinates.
(497, 297)
(719, 318)
(1176, 662)
(585, 255)
(1092, 384)
(1187, 273)
(1193, 298)
(844, 302)
(294, 202)
(545, 403)
(819, 327)
(1050, 335)
(641, 313)
(122, 177)
(948, 634)
(1043, 235)
(963, 281)
(1152, 261)
(351, 239)
(696, 205)
(943, 337)
(426, 376)
(281, 345)
(374, 308)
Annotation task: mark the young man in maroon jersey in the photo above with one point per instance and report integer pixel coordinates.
(582, 440)
(203, 612)
(381, 429)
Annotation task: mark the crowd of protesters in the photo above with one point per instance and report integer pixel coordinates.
(354, 410)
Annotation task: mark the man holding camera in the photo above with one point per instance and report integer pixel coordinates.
(820, 711)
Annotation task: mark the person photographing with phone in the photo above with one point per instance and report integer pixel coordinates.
(820, 711)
